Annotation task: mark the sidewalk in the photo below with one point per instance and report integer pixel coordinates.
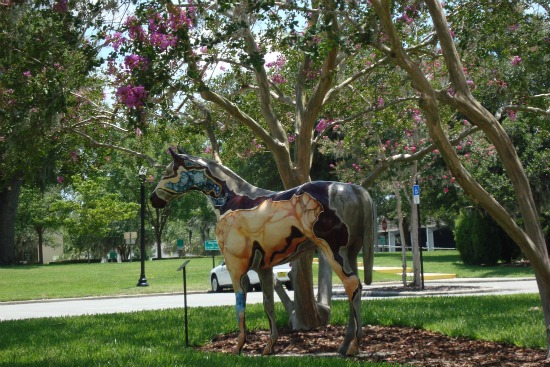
(103, 305)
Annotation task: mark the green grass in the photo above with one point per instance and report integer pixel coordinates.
(80, 280)
(156, 338)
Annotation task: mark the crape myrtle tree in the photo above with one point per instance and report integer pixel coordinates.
(324, 54)
(44, 58)
(458, 94)
(288, 98)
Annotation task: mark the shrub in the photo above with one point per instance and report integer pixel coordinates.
(480, 240)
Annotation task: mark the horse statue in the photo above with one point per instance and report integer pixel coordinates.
(258, 229)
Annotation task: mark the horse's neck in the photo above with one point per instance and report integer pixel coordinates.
(232, 186)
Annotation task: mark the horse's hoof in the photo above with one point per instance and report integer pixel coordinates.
(236, 351)
(353, 349)
(267, 351)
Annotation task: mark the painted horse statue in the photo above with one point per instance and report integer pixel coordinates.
(258, 229)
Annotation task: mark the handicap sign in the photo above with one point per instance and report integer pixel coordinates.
(416, 194)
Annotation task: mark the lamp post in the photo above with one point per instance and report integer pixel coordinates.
(142, 282)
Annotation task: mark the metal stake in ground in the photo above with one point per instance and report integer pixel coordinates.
(182, 267)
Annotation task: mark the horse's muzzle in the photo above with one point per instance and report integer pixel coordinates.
(156, 201)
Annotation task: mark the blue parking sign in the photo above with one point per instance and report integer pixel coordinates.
(416, 190)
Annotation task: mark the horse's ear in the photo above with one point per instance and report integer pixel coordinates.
(181, 151)
(173, 154)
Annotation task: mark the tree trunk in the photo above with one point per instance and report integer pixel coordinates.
(306, 315)
(9, 199)
(397, 191)
(531, 240)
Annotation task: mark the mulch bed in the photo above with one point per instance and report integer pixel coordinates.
(399, 345)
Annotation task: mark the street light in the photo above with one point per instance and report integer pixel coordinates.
(142, 282)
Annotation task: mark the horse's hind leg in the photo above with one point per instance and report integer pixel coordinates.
(240, 285)
(266, 277)
(352, 286)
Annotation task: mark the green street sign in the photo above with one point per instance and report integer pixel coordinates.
(211, 245)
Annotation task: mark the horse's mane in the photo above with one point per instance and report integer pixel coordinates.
(235, 183)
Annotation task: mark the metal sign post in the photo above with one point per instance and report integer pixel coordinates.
(211, 245)
(416, 201)
(182, 267)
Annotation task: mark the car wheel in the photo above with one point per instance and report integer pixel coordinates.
(215, 285)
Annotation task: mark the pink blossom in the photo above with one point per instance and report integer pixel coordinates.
(380, 102)
(74, 156)
(321, 125)
(131, 96)
(516, 60)
(413, 149)
(27, 74)
(60, 6)
(278, 63)
(208, 150)
(178, 21)
(512, 114)
(445, 190)
(139, 133)
(135, 30)
(356, 167)
(278, 79)
(116, 40)
(405, 18)
(291, 138)
(60, 179)
(162, 41)
(135, 62)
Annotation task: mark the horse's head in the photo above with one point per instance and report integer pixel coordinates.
(184, 173)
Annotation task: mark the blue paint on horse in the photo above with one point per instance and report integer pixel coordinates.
(240, 304)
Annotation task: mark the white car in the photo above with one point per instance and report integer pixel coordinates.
(220, 278)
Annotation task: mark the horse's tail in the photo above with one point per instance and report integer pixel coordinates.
(369, 235)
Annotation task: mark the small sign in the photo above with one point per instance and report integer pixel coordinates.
(211, 245)
(130, 237)
(183, 265)
(179, 244)
(416, 194)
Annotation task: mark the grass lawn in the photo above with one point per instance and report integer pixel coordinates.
(80, 280)
(156, 338)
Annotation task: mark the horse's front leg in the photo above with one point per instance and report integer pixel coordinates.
(266, 277)
(240, 286)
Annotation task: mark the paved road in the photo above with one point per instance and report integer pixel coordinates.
(103, 305)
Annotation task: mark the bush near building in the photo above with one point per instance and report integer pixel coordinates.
(480, 241)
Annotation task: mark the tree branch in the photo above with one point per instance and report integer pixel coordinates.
(152, 162)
